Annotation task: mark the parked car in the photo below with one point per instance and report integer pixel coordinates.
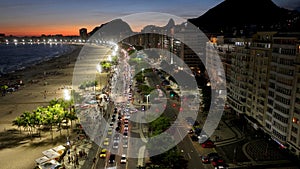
(194, 138)
(208, 144)
(212, 156)
(205, 160)
(221, 167)
(218, 162)
(203, 138)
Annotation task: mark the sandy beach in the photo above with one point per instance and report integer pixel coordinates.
(42, 83)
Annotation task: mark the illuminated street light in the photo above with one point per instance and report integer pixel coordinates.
(99, 68)
(67, 95)
(109, 58)
(114, 53)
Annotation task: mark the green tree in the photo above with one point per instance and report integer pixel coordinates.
(49, 119)
(159, 125)
(19, 122)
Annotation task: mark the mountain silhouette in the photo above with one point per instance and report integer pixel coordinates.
(112, 30)
(232, 15)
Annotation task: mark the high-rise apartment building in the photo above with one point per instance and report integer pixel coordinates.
(282, 98)
(264, 87)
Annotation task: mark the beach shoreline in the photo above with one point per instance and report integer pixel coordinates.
(41, 83)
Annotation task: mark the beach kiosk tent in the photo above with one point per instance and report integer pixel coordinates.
(59, 149)
(52, 164)
(51, 154)
(42, 160)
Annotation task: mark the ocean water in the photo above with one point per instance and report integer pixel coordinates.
(17, 57)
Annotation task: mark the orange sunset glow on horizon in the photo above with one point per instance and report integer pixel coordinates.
(69, 30)
(46, 30)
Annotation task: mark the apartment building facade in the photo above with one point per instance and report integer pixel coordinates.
(264, 87)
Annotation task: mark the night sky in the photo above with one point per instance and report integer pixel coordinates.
(36, 17)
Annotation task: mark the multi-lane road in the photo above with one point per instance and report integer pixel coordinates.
(117, 119)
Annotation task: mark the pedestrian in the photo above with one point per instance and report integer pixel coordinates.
(94, 160)
(75, 159)
(80, 154)
(69, 159)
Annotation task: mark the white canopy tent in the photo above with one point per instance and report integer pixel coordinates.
(51, 154)
(59, 149)
(42, 160)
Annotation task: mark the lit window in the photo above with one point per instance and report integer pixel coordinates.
(295, 120)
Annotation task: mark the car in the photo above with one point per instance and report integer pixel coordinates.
(194, 138)
(198, 131)
(218, 162)
(212, 156)
(127, 116)
(125, 143)
(196, 123)
(125, 134)
(205, 160)
(208, 144)
(203, 138)
(106, 142)
(220, 167)
(112, 158)
(123, 159)
(119, 124)
(109, 131)
(116, 137)
(190, 131)
(118, 129)
(103, 153)
(115, 145)
(111, 124)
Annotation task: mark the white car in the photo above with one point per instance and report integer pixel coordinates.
(123, 159)
(115, 145)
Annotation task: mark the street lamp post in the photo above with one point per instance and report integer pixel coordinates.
(147, 100)
(67, 97)
(99, 69)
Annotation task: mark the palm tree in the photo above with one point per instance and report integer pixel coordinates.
(49, 119)
(26, 120)
(38, 118)
(18, 122)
